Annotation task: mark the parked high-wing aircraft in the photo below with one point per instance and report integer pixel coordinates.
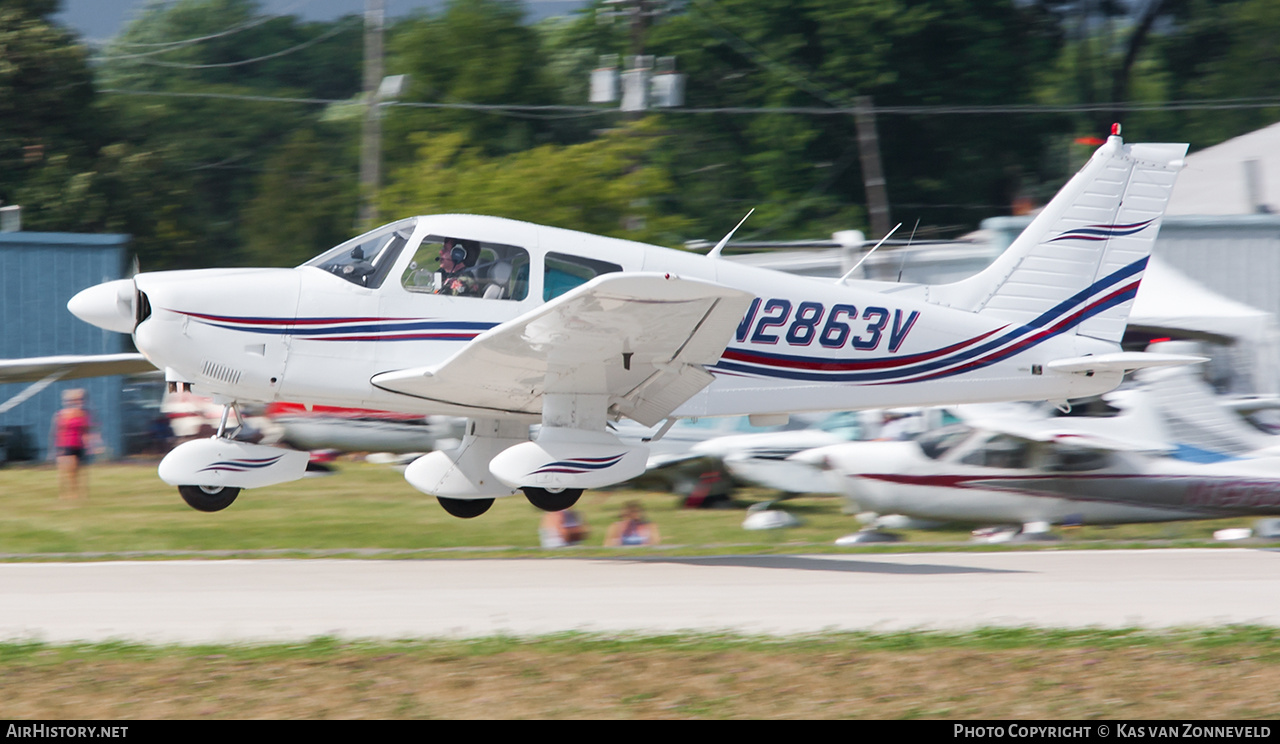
(510, 323)
(1036, 475)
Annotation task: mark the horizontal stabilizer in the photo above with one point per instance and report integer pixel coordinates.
(1121, 361)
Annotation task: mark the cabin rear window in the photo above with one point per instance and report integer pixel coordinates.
(564, 272)
(1068, 459)
(1000, 451)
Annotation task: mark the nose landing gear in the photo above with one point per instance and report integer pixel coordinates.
(210, 473)
(208, 498)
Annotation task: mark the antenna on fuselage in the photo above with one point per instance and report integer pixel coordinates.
(714, 252)
(903, 263)
(849, 273)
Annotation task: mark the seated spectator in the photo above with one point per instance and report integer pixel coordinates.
(562, 528)
(632, 528)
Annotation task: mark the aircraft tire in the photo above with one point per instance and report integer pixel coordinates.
(208, 498)
(552, 501)
(465, 508)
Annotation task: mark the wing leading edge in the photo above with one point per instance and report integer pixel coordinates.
(642, 339)
(72, 367)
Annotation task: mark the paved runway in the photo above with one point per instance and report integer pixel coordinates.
(274, 600)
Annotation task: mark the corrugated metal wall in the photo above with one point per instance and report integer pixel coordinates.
(1238, 257)
(39, 272)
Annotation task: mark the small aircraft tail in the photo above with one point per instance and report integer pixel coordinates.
(1081, 259)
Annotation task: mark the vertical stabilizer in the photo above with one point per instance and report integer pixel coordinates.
(1081, 259)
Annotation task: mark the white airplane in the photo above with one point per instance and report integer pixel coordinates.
(1037, 474)
(522, 323)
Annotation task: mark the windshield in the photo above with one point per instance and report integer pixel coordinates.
(365, 261)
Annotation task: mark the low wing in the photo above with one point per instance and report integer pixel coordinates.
(72, 367)
(641, 338)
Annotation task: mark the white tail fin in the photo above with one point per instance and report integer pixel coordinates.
(1080, 260)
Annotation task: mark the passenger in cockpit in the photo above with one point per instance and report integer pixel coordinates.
(457, 258)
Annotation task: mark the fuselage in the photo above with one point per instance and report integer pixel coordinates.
(994, 479)
(318, 333)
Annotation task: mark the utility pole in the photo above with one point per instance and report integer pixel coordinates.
(371, 135)
(643, 86)
(872, 174)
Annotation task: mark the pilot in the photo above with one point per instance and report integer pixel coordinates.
(457, 258)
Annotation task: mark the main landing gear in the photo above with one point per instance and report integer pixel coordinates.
(543, 498)
(465, 508)
(552, 500)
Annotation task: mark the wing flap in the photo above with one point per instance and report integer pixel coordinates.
(639, 338)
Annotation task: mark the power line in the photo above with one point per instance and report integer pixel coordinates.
(339, 28)
(931, 110)
(169, 46)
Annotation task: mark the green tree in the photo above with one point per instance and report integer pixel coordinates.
(1223, 49)
(306, 203)
(195, 43)
(607, 186)
(46, 95)
(803, 171)
(124, 190)
(478, 52)
(190, 75)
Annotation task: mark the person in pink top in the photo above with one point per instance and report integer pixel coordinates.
(73, 437)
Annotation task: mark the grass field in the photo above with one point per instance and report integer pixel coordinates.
(369, 510)
(366, 507)
(994, 674)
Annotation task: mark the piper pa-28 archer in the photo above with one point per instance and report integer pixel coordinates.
(519, 324)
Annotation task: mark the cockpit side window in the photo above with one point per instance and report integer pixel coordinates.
(367, 260)
(1063, 458)
(1000, 451)
(939, 442)
(564, 272)
(460, 267)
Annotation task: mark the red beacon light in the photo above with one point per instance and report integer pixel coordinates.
(1115, 129)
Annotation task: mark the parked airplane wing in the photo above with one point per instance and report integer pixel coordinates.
(72, 367)
(642, 339)
(1063, 432)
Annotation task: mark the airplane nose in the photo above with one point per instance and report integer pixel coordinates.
(108, 305)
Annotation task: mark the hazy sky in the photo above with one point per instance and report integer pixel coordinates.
(99, 20)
